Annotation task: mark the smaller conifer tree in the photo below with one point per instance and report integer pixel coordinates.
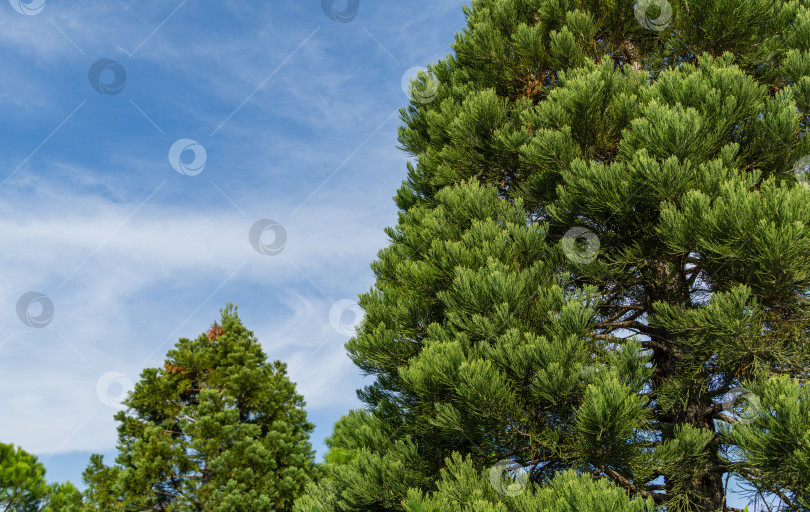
(217, 428)
(23, 487)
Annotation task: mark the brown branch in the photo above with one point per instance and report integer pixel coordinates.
(629, 324)
(630, 486)
(620, 314)
(725, 417)
(656, 344)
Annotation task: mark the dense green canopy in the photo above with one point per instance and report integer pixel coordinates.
(599, 277)
(23, 487)
(218, 428)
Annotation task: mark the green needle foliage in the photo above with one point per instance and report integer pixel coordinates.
(23, 487)
(601, 265)
(460, 490)
(218, 428)
(22, 480)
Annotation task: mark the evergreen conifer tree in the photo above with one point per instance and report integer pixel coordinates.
(218, 428)
(23, 487)
(601, 264)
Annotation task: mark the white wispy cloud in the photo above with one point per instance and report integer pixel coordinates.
(122, 308)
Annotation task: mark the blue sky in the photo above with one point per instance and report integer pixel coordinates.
(297, 115)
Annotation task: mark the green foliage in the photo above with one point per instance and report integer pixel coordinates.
(773, 445)
(375, 472)
(22, 480)
(492, 337)
(498, 355)
(103, 487)
(462, 489)
(23, 487)
(64, 498)
(218, 428)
